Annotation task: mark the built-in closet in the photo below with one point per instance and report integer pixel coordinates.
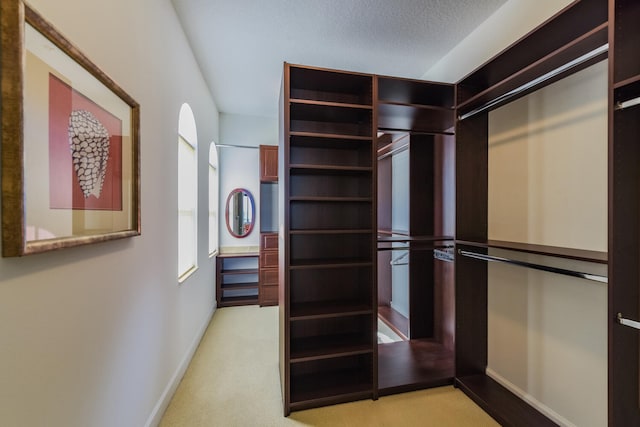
(339, 132)
(574, 39)
(415, 205)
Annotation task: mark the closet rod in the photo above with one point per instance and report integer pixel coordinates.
(627, 104)
(407, 248)
(237, 146)
(415, 132)
(543, 78)
(394, 151)
(572, 273)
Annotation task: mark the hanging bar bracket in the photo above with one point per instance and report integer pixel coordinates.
(628, 322)
(627, 104)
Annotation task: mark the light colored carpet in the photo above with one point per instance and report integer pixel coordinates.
(233, 381)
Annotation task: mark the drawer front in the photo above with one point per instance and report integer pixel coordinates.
(269, 276)
(269, 241)
(269, 259)
(268, 295)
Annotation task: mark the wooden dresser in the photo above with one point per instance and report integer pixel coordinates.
(268, 282)
(268, 294)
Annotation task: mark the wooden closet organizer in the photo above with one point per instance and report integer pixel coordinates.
(416, 118)
(570, 41)
(328, 263)
(329, 302)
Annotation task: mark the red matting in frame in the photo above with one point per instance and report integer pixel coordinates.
(64, 187)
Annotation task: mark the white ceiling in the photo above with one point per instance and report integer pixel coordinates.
(242, 44)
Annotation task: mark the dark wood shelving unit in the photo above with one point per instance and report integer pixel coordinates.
(327, 322)
(237, 279)
(418, 118)
(624, 211)
(329, 167)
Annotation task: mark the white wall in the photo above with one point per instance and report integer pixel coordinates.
(548, 186)
(509, 23)
(548, 165)
(545, 331)
(240, 167)
(94, 336)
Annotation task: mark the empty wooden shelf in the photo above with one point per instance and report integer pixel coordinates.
(236, 279)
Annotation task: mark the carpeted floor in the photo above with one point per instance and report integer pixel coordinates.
(233, 381)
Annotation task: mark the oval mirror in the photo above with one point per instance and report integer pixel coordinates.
(240, 212)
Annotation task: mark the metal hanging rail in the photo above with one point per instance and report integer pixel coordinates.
(543, 78)
(572, 273)
(251, 147)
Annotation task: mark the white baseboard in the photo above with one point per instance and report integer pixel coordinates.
(170, 389)
(550, 413)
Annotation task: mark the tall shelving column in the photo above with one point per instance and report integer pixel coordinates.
(424, 112)
(417, 116)
(624, 211)
(328, 347)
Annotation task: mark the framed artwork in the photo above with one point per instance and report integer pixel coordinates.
(70, 142)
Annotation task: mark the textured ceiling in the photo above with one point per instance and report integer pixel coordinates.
(241, 44)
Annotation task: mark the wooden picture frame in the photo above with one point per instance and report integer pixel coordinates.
(70, 142)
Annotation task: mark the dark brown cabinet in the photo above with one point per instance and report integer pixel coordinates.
(237, 279)
(268, 269)
(268, 163)
(268, 225)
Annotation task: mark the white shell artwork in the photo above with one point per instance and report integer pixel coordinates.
(89, 143)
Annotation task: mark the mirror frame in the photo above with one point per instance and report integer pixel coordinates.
(253, 212)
